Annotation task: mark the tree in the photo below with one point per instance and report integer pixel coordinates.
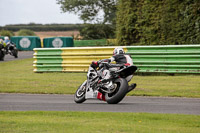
(6, 33)
(25, 32)
(97, 31)
(88, 10)
(163, 22)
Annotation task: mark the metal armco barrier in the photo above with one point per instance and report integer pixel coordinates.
(68, 59)
(164, 59)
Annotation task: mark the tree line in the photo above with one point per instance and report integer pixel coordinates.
(141, 22)
(42, 27)
(131, 22)
(158, 22)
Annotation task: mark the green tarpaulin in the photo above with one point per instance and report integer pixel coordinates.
(2, 37)
(58, 42)
(26, 42)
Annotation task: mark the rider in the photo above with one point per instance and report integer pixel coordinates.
(7, 41)
(2, 42)
(120, 57)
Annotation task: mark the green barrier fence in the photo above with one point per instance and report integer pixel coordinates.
(68, 59)
(162, 59)
(58, 42)
(26, 42)
(167, 59)
(2, 37)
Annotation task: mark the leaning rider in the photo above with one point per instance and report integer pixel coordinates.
(120, 57)
(2, 42)
(7, 41)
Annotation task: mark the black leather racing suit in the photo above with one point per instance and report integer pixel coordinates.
(126, 60)
(121, 59)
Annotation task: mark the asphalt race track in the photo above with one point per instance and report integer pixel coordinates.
(45, 102)
(27, 102)
(21, 55)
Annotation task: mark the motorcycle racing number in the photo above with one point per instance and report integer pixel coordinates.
(57, 43)
(24, 42)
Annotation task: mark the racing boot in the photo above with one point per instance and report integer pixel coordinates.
(131, 87)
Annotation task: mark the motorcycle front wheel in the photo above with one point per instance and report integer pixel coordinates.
(119, 93)
(79, 96)
(15, 53)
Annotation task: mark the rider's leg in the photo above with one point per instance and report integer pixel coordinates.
(132, 86)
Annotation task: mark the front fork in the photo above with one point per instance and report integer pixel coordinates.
(93, 94)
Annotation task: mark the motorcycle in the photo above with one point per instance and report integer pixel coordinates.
(2, 52)
(105, 81)
(12, 49)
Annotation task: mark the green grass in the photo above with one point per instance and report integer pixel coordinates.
(97, 122)
(18, 77)
(173, 86)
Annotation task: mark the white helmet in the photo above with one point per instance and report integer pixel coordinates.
(118, 51)
(6, 38)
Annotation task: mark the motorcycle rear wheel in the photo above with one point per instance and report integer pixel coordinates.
(1, 56)
(119, 93)
(79, 96)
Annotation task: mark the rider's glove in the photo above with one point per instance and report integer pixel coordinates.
(94, 64)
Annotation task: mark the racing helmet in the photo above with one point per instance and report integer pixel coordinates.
(118, 51)
(6, 38)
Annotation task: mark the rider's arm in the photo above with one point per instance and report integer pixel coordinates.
(112, 59)
(108, 60)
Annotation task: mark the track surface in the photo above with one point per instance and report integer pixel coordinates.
(26, 102)
(21, 55)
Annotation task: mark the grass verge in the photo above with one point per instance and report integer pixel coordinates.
(97, 122)
(18, 77)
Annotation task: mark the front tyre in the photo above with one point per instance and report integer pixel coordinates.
(15, 53)
(79, 96)
(119, 93)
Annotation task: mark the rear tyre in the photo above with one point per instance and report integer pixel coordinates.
(79, 96)
(1, 56)
(119, 93)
